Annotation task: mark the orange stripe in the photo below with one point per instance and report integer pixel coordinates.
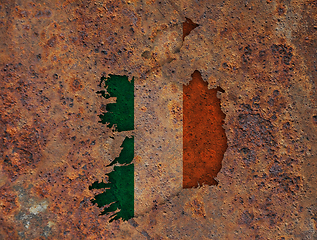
(188, 26)
(204, 139)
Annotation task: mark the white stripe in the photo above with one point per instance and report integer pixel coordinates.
(158, 142)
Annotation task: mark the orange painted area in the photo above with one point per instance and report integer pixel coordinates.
(188, 26)
(204, 139)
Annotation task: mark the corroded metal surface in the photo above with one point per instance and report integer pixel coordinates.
(158, 142)
(262, 53)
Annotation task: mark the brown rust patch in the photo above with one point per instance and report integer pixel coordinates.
(8, 200)
(197, 208)
(175, 112)
(280, 9)
(76, 84)
(52, 41)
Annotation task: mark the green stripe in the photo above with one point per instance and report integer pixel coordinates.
(119, 191)
(121, 113)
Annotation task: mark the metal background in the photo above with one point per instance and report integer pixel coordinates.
(262, 53)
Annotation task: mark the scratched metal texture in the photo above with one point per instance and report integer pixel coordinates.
(262, 53)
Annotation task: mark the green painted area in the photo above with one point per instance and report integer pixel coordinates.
(118, 197)
(121, 113)
(127, 154)
(119, 193)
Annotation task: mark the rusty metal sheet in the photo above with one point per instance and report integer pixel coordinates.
(261, 53)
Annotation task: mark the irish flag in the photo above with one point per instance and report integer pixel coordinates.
(172, 138)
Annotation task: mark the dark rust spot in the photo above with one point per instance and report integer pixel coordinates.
(76, 84)
(146, 54)
(52, 41)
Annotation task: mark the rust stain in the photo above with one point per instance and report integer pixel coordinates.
(76, 84)
(197, 208)
(176, 112)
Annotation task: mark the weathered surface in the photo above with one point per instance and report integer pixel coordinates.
(158, 142)
(52, 55)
